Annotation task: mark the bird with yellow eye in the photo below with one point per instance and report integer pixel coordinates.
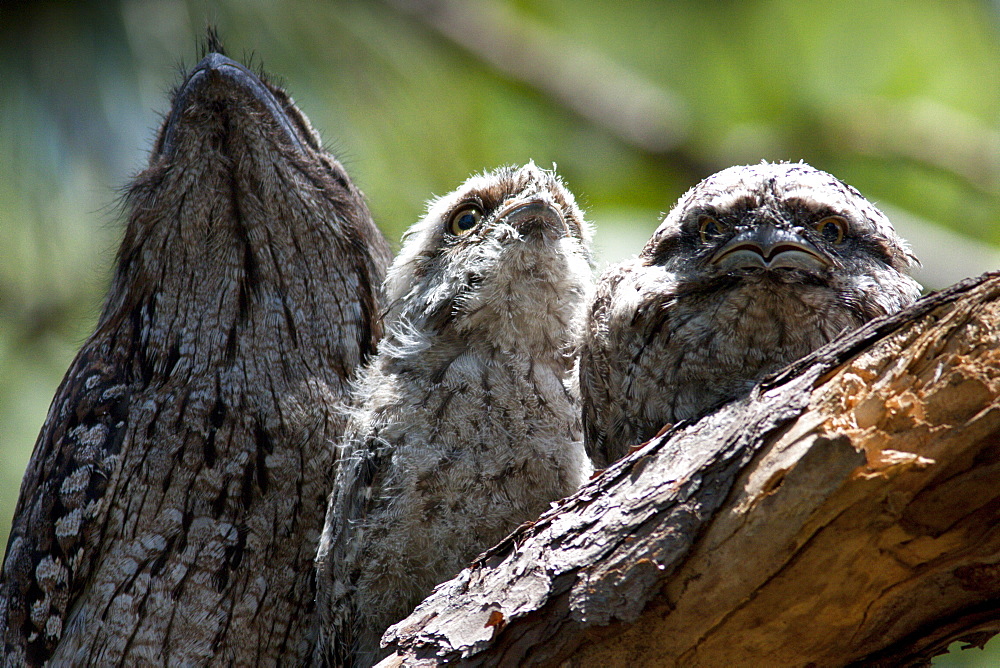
(468, 420)
(753, 268)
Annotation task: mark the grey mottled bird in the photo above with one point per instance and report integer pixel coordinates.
(172, 507)
(752, 269)
(468, 420)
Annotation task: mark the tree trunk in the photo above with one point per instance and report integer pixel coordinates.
(846, 512)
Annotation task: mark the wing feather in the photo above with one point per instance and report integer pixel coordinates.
(60, 512)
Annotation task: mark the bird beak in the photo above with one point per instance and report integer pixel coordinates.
(769, 247)
(538, 217)
(219, 78)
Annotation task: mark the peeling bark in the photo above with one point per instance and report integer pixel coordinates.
(846, 512)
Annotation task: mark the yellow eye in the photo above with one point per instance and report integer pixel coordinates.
(832, 228)
(710, 229)
(464, 219)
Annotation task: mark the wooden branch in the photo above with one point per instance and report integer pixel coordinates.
(847, 512)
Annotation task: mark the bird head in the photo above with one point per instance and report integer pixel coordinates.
(240, 175)
(501, 257)
(774, 225)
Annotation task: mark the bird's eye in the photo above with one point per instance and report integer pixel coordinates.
(464, 219)
(710, 229)
(832, 228)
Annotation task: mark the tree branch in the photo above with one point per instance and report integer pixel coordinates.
(846, 512)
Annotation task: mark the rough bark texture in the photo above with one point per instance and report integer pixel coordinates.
(846, 512)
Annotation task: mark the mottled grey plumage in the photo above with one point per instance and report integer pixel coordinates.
(753, 268)
(468, 420)
(173, 503)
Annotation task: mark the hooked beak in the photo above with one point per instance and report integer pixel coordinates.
(218, 77)
(536, 218)
(768, 247)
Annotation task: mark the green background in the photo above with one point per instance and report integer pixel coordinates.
(633, 101)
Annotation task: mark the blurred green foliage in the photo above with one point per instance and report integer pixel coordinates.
(899, 99)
